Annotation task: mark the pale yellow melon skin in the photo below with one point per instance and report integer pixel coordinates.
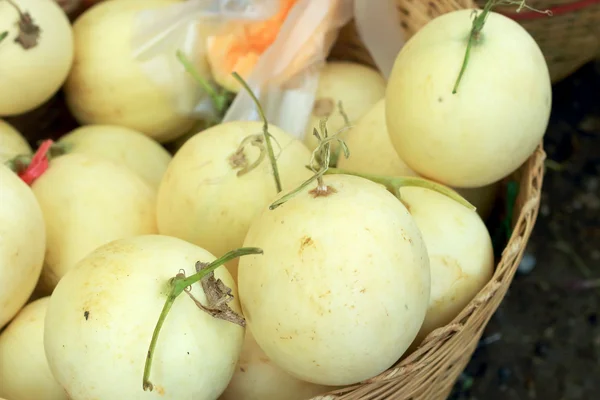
(108, 86)
(102, 314)
(460, 253)
(24, 370)
(258, 378)
(22, 243)
(492, 124)
(343, 286)
(88, 201)
(202, 200)
(372, 152)
(29, 78)
(143, 155)
(12, 143)
(357, 86)
(370, 147)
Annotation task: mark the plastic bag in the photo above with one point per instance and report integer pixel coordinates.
(158, 34)
(379, 28)
(286, 76)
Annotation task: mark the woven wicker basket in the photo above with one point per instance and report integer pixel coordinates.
(431, 371)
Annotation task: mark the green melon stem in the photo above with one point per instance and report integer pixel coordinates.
(178, 285)
(395, 183)
(220, 99)
(266, 134)
(319, 163)
(476, 28)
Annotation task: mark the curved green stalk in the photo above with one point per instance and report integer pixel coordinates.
(319, 164)
(392, 183)
(395, 183)
(478, 24)
(178, 285)
(220, 100)
(147, 385)
(266, 133)
(283, 199)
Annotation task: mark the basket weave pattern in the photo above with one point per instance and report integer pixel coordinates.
(430, 372)
(569, 38)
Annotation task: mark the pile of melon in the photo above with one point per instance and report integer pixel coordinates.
(247, 263)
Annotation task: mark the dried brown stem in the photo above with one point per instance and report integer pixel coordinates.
(29, 32)
(239, 159)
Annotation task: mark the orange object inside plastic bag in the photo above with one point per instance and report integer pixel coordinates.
(239, 49)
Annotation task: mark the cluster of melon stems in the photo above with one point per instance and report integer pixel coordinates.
(320, 164)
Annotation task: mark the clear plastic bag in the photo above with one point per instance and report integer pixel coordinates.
(159, 34)
(286, 76)
(379, 28)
